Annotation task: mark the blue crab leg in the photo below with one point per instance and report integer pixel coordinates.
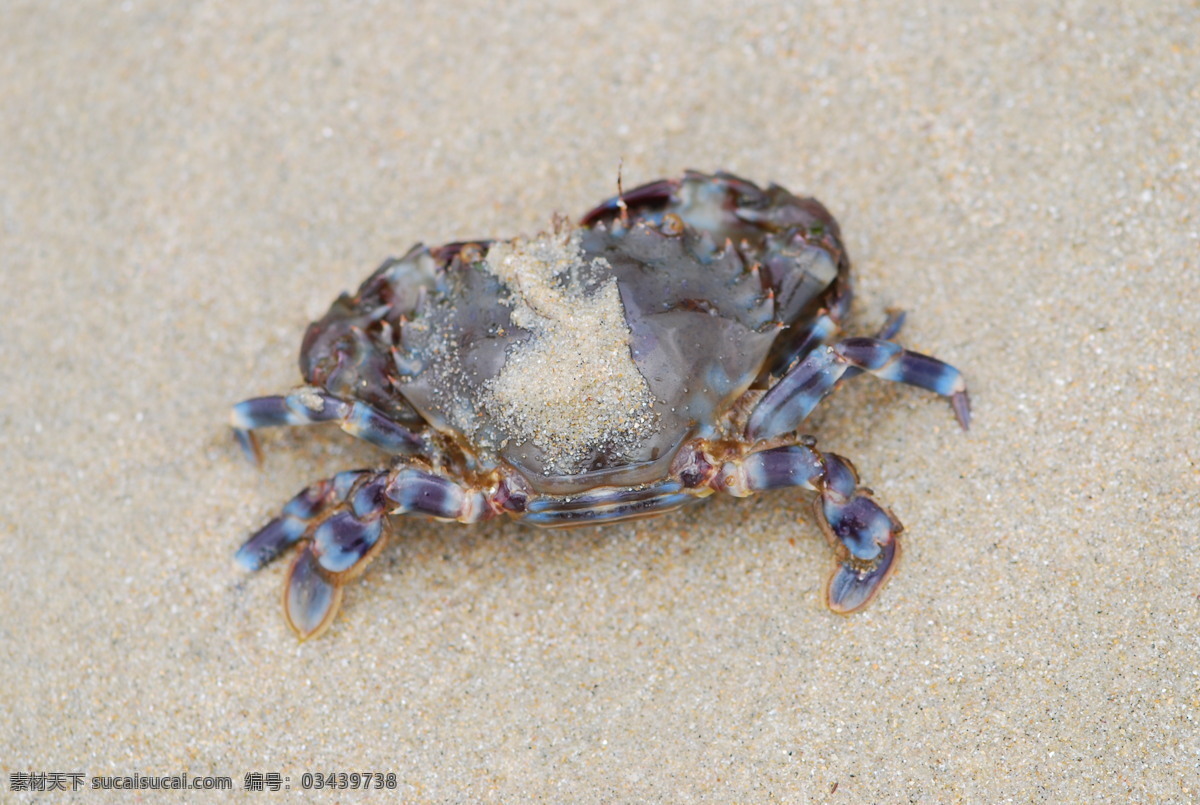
(792, 399)
(862, 532)
(294, 521)
(309, 405)
(341, 523)
(824, 327)
(891, 327)
(887, 332)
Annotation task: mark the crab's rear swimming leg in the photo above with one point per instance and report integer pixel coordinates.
(309, 405)
(862, 532)
(341, 523)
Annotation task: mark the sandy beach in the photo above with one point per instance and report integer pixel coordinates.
(184, 187)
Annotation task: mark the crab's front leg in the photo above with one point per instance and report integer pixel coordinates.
(862, 532)
(341, 524)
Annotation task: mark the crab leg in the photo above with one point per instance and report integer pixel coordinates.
(341, 523)
(309, 405)
(792, 399)
(608, 505)
(824, 327)
(887, 332)
(295, 520)
(861, 531)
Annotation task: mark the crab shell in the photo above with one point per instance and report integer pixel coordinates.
(719, 282)
(664, 349)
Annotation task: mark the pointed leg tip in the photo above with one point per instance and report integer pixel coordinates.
(962, 408)
(249, 444)
(310, 601)
(893, 325)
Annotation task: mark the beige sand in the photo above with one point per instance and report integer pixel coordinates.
(183, 187)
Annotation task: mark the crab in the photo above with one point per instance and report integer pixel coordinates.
(663, 350)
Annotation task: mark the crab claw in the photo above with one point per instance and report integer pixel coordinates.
(310, 598)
